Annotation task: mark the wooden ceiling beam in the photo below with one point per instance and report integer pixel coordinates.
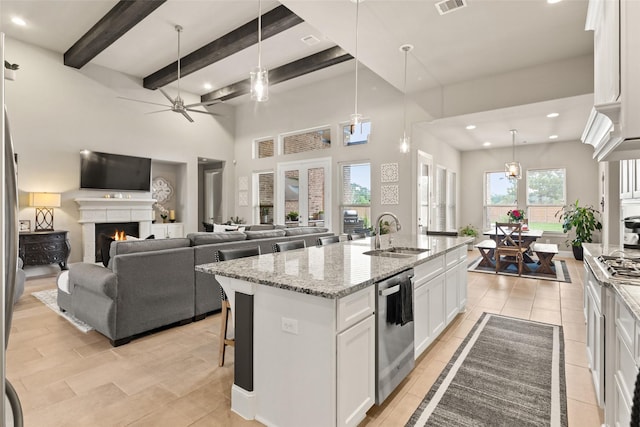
(120, 19)
(273, 22)
(306, 65)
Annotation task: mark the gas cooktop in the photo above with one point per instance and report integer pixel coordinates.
(621, 268)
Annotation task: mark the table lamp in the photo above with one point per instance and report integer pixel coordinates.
(44, 204)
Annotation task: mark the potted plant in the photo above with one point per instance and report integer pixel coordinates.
(585, 221)
(293, 216)
(471, 231)
(321, 215)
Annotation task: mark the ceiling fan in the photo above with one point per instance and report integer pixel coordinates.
(177, 103)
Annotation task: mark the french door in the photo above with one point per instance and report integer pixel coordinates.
(304, 188)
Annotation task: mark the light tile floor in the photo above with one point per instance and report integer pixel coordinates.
(67, 378)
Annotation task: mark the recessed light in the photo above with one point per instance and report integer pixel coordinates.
(552, 115)
(553, 1)
(208, 86)
(486, 144)
(310, 40)
(470, 127)
(553, 137)
(18, 21)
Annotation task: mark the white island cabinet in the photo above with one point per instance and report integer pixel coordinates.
(305, 325)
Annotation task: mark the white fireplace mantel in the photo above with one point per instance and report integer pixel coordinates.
(101, 209)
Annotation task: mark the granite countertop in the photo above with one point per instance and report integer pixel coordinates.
(336, 270)
(629, 293)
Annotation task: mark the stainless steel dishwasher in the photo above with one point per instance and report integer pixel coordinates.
(394, 340)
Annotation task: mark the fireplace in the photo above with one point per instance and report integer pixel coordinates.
(95, 211)
(105, 232)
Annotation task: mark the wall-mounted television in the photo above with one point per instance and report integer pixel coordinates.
(106, 171)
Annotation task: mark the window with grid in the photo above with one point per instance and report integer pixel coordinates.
(546, 194)
(355, 197)
(500, 197)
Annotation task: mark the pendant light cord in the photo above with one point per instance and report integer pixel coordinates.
(260, 34)
(404, 89)
(513, 144)
(356, 91)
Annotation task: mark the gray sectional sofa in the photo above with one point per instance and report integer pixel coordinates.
(150, 284)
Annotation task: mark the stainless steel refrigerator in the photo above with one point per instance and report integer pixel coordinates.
(11, 411)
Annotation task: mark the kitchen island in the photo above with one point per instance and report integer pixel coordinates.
(305, 323)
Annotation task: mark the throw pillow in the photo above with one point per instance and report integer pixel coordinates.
(104, 245)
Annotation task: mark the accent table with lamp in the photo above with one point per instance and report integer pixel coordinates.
(44, 245)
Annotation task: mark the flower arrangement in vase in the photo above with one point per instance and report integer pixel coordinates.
(516, 215)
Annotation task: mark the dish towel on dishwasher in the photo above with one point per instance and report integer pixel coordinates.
(400, 304)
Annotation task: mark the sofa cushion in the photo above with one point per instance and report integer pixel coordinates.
(211, 238)
(135, 246)
(297, 231)
(264, 234)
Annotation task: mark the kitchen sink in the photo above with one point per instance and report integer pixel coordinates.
(396, 252)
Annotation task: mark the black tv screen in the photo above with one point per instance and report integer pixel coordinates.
(106, 171)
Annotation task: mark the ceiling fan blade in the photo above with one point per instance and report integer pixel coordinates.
(202, 112)
(206, 103)
(166, 95)
(144, 102)
(184, 113)
(158, 111)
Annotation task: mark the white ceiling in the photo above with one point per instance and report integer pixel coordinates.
(487, 37)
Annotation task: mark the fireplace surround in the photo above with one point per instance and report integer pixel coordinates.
(110, 210)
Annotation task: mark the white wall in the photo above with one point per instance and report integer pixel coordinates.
(55, 111)
(331, 102)
(577, 158)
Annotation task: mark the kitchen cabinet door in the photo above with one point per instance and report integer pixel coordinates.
(436, 306)
(595, 347)
(627, 168)
(421, 332)
(451, 294)
(356, 372)
(606, 46)
(462, 286)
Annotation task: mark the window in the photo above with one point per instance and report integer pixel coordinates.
(451, 201)
(360, 134)
(265, 148)
(500, 197)
(355, 206)
(546, 194)
(308, 140)
(265, 192)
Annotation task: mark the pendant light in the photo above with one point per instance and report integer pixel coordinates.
(513, 170)
(259, 75)
(356, 119)
(405, 141)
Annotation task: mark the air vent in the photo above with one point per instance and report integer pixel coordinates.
(447, 6)
(310, 40)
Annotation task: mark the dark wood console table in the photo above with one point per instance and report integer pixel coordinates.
(44, 247)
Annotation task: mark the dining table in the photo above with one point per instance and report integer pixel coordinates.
(528, 237)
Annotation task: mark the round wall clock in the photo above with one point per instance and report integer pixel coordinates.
(162, 190)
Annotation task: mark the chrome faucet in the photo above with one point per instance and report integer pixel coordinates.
(377, 227)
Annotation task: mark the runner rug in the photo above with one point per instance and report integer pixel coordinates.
(507, 372)
(560, 267)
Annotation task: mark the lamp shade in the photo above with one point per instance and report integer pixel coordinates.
(45, 200)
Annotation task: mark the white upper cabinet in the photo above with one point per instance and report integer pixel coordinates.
(613, 128)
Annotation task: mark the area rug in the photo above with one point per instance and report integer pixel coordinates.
(506, 372)
(562, 272)
(50, 299)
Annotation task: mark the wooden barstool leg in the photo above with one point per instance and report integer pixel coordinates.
(224, 326)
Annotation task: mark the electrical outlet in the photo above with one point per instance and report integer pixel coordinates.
(290, 325)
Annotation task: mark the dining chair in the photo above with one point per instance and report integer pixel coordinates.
(509, 249)
(322, 241)
(356, 236)
(290, 245)
(227, 255)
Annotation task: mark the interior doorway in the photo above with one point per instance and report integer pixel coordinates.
(424, 191)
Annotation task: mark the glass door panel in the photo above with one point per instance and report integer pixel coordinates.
(291, 197)
(315, 196)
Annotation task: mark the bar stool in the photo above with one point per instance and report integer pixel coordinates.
(322, 241)
(226, 255)
(288, 246)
